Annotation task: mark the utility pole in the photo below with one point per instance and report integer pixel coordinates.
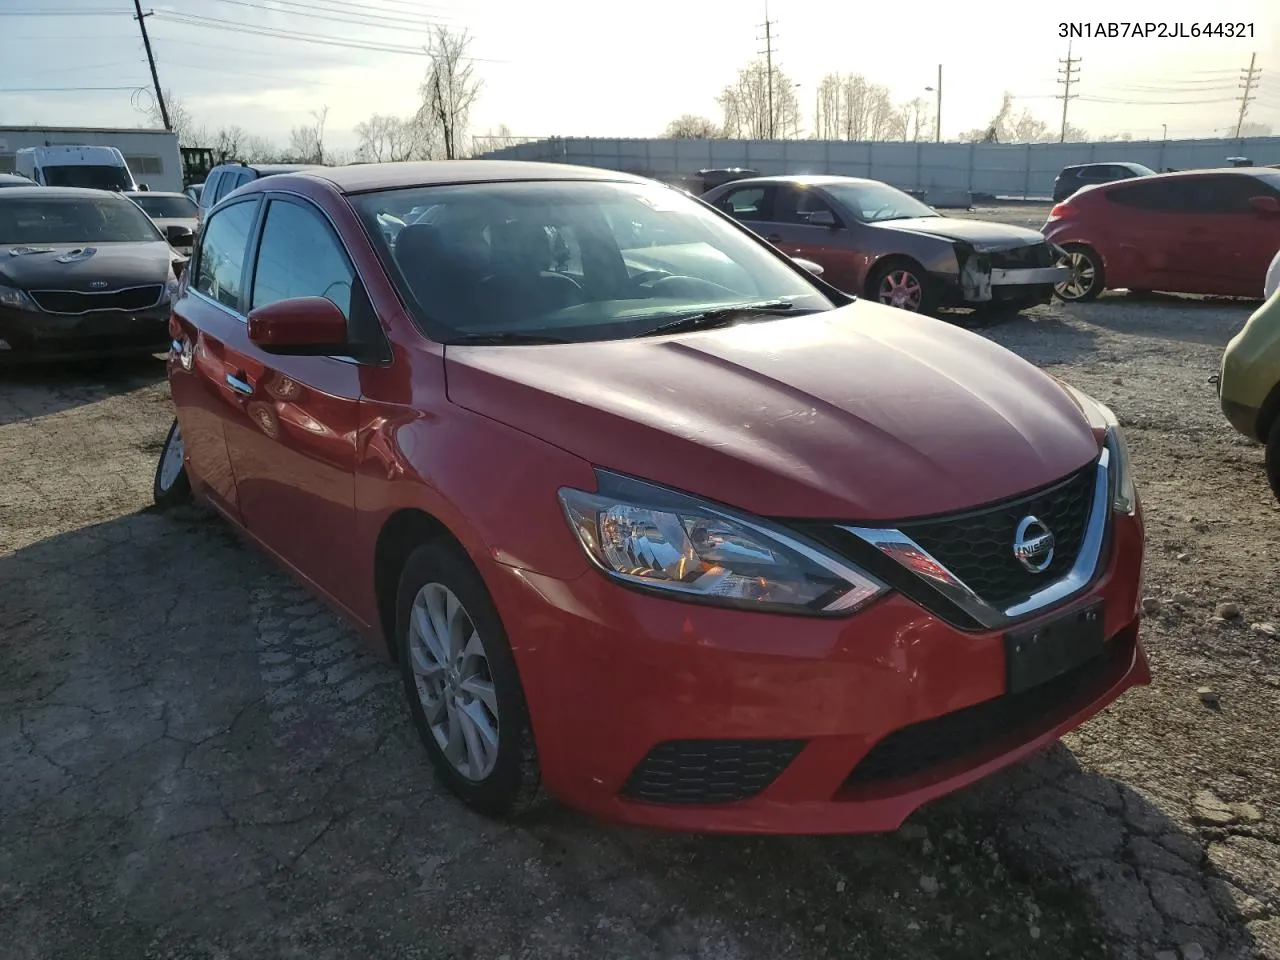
(155, 77)
(1066, 77)
(937, 134)
(768, 59)
(1247, 80)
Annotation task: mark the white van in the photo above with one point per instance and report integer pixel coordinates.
(98, 168)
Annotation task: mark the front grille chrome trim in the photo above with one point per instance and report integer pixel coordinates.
(36, 294)
(901, 548)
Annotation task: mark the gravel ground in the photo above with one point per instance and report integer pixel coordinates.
(200, 762)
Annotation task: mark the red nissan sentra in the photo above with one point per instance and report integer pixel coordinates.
(652, 519)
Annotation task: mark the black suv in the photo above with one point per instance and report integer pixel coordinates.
(1073, 178)
(225, 177)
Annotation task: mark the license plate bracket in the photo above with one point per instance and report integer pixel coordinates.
(1036, 654)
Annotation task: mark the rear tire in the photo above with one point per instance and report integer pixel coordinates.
(1087, 280)
(1273, 458)
(463, 688)
(171, 485)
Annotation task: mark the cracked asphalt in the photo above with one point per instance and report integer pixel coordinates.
(198, 761)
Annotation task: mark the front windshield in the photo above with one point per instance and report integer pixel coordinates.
(77, 220)
(165, 208)
(874, 202)
(574, 260)
(89, 176)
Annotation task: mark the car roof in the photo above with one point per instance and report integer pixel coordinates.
(1191, 174)
(363, 177)
(154, 193)
(269, 168)
(83, 193)
(807, 179)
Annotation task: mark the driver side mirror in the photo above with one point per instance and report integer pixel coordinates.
(1266, 205)
(178, 235)
(821, 218)
(814, 268)
(300, 327)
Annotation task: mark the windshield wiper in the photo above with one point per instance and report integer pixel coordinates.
(504, 338)
(724, 316)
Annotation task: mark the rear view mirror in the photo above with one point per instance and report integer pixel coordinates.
(1265, 204)
(303, 326)
(814, 268)
(821, 218)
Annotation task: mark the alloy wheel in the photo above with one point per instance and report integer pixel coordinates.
(1083, 276)
(171, 460)
(453, 681)
(901, 289)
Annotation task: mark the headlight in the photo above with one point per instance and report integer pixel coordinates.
(653, 538)
(1124, 495)
(15, 299)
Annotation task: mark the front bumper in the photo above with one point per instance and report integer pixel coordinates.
(979, 283)
(627, 690)
(36, 336)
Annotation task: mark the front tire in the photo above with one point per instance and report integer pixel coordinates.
(1086, 281)
(171, 485)
(463, 688)
(903, 284)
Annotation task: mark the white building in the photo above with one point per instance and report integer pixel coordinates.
(152, 155)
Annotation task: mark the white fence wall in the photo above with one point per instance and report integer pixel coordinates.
(1005, 170)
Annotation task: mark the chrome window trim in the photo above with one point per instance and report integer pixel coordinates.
(893, 543)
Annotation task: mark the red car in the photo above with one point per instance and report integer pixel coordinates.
(652, 519)
(1205, 232)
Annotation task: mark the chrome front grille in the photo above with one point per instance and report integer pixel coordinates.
(963, 567)
(75, 302)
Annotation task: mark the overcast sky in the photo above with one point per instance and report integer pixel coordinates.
(586, 67)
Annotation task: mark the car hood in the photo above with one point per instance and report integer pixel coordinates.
(980, 233)
(65, 266)
(860, 413)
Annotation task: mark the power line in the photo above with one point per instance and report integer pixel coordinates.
(1248, 79)
(336, 16)
(62, 89)
(1067, 76)
(216, 23)
(768, 55)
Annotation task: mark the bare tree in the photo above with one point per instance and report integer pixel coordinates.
(1253, 129)
(306, 143)
(827, 118)
(692, 127)
(1103, 138)
(1025, 127)
(180, 119)
(746, 104)
(385, 138)
(449, 91)
(915, 121)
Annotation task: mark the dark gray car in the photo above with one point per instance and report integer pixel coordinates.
(875, 241)
(83, 273)
(1081, 175)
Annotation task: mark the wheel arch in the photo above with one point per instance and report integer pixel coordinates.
(403, 532)
(1268, 414)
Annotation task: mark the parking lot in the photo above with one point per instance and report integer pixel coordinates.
(199, 761)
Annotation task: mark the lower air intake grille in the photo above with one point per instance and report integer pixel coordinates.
(953, 736)
(709, 771)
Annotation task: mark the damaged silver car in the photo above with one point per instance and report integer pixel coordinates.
(875, 241)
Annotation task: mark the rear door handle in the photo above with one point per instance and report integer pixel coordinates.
(239, 385)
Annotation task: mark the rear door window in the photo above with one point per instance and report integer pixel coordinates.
(748, 203)
(220, 261)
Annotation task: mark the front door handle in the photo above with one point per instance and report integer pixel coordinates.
(239, 385)
(773, 238)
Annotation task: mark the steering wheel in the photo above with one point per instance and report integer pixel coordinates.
(647, 276)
